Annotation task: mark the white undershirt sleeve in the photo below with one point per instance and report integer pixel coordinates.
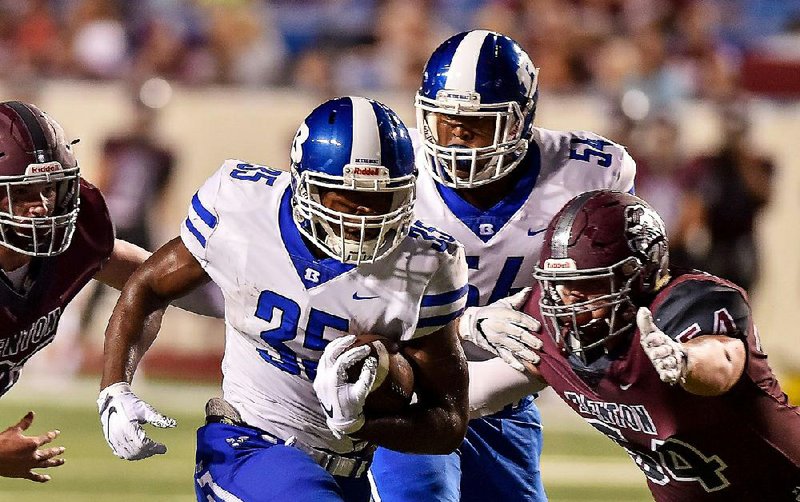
(493, 385)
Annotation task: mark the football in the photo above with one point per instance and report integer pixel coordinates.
(394, 383)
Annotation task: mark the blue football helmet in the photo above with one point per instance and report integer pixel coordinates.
(358, 144)
(477, 73)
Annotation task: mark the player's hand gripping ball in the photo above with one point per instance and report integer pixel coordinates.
(394, 382)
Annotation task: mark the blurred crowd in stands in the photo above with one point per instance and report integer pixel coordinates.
(666, 48)
(642, 56)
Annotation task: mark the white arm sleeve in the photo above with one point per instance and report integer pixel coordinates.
(627, 173)
(493, 384)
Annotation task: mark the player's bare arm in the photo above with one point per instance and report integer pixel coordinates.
(715, 363)
(437, 422)
(20, 454)
(708, 365)
(124, 259)
(127, 257)
(171, 272)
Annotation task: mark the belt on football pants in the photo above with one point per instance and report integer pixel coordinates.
(220, 411)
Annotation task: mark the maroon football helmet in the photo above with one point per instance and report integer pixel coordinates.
(36, 162)
(609, 242)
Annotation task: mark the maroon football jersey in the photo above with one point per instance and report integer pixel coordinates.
(28, 321)
(743, 445)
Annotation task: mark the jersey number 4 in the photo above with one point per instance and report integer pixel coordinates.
(281, 356)
(671, 459)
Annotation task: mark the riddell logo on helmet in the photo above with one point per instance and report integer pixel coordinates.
(560, 264)
(366, 171)
(47, 167)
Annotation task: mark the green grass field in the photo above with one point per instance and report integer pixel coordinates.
(578, 464)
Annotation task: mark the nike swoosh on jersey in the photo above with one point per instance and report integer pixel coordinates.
(357, 297)
(533, 232)
(625, 386)
(328, 410)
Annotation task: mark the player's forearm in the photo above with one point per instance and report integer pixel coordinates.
(124, 260)
(715, 364)
(434, 431)
(131, 331)
(493, 384)
(437, 422)
(170, 273)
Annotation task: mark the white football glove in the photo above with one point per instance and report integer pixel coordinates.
(500, 328)
(669, 358)
(121, 415)
(342, 401)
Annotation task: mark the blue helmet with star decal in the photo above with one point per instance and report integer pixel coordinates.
(477, 73)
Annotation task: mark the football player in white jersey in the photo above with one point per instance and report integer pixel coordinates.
(493, 181)
(303, 259)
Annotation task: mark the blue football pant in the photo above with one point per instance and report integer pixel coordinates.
(498, 460)
(236, 463)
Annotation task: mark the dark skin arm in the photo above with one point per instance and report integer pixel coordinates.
(437, 423)
(171, 272)
(126, 258)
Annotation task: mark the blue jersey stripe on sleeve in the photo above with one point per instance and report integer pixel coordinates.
(444, 298)
(195, 232)
(204, 214)
(439, 320)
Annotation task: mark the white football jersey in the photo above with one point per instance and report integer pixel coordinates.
(282, 305)
(502, 244)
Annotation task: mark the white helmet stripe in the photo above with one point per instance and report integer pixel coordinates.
(366, 147)
(465, 61)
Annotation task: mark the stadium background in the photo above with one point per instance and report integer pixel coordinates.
(233, 79)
